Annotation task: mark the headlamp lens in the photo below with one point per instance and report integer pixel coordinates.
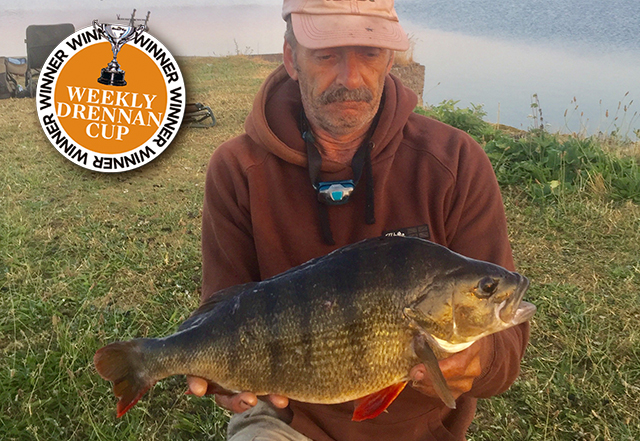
(335, 192)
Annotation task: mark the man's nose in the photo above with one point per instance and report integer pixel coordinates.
(349, 74)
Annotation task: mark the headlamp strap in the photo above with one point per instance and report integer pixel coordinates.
(338, 192)
(332, 192)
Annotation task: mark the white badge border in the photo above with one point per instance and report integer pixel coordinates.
(91, 155)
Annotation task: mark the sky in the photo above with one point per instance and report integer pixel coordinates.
(8, 5)
(186, 28)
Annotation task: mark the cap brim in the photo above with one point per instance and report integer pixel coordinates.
(324, 31)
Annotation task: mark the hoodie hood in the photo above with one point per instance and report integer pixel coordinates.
(274, 119)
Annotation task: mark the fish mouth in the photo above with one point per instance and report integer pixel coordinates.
(524, 312)
(514, 310)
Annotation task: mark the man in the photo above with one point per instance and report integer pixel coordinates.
(290, 189)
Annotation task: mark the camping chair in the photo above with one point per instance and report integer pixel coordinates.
(41, 41)
(198, 115)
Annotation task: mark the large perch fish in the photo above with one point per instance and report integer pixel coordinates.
(349, 325)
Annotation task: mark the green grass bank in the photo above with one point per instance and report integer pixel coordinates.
(88, 258)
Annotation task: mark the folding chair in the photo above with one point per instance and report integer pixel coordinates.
(41, 41)
(198, 115)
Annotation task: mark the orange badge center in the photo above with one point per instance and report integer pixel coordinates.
(110, 119)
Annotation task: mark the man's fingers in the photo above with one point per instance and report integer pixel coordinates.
(234, 402)
(237, 403)
(279, 401)
(472, 370)
(456, 387)
(418, 373)
(198, 386)
(459, 372)
(461, 386)
(458, 363)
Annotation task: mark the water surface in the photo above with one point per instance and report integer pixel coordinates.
(571, 53)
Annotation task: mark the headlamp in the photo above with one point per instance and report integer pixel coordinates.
(335, 192)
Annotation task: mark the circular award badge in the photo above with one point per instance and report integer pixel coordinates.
(110, 97)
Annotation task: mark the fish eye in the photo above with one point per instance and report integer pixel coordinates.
(486, 287)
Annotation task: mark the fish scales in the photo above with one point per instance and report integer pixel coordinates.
(355, 342)
(334, 329)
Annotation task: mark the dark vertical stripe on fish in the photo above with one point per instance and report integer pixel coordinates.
(234, 334)
(306, 331)
(351, 313)
(274, 343)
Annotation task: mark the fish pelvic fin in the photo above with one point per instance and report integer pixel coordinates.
(374, 404)
(121, 363)
(426, 354)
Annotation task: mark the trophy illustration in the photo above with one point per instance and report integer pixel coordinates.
(118, 35)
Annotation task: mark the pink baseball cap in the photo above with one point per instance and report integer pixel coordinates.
(319, 24)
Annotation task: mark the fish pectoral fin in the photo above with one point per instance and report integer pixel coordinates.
(430, 361)
(374, 404)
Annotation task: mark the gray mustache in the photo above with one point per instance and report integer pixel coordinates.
(342, 94)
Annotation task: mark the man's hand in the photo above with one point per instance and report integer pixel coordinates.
(459, 370)
(236, 403)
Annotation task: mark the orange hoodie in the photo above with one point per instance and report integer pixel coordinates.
(260, 218)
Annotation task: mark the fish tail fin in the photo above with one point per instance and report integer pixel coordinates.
(120, 363)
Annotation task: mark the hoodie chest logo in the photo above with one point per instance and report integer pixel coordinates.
(421, 231)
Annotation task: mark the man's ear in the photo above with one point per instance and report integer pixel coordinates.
(289, 64)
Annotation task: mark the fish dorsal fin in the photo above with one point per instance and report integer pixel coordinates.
(374, 404)
(426, 354)
(209, 304)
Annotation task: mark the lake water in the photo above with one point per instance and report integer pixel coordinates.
(571, 53)
(581, 57)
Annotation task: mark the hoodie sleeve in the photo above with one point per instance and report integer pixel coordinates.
(228, 249)
(500, 361)
(477, 228)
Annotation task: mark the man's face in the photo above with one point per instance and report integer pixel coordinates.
(341, 87)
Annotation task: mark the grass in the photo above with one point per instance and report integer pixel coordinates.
(548, 165)
(580, 375)
(618, 124)
(88, 258)
(405, 58)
